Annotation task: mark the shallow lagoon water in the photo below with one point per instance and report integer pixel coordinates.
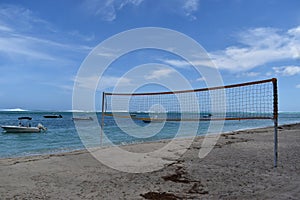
(62, 136)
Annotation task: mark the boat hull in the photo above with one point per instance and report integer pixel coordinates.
(82, 118)
(52, 116)
(20, 129)
(153, 120)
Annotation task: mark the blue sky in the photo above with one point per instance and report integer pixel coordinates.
(43, 43)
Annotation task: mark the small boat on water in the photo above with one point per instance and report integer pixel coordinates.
(132, 115)
(207, 115)
(28, 118)
(82, 118)
(52, 116)
(24, 128)
(153, 120)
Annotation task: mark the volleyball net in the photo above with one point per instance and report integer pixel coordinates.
(246, 101)
(252, 100)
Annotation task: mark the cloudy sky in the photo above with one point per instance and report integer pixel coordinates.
(43, 44)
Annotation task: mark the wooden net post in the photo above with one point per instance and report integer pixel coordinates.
(275, 118)
(102, 117)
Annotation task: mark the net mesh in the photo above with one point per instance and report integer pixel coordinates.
(253, 100)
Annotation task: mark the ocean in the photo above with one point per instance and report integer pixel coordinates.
(62, 135)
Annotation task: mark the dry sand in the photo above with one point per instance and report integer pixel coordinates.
(239, 167)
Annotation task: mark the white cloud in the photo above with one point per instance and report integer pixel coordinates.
(200, 79)
(107, 9)
(90, 82)
(176, 63)
(16, 45)
(21, 18)
(5, 28)
(189, 7)
(133, 2)
(298, 86)
(159, 73)
(287, 70)
(184, 64)
(17, 37)
(249, 74)
(269, 74)
(77, 34)
(112, 81)
(295, 31)
(258, 46)
(34, 48)
(107, 52)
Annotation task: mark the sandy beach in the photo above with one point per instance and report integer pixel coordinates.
(239, 167)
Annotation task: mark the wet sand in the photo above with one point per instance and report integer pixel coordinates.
(240, 166)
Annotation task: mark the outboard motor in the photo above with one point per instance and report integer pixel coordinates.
(41, 127)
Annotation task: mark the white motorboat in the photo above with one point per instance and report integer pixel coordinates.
(154, 119)
(24, 128)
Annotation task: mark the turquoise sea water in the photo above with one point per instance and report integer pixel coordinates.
(62, 136)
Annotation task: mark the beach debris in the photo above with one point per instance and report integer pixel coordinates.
(177, 177)
(197, 188)
(159, 196)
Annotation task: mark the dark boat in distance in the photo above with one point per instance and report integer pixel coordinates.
(52, 116)
(28, 118)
